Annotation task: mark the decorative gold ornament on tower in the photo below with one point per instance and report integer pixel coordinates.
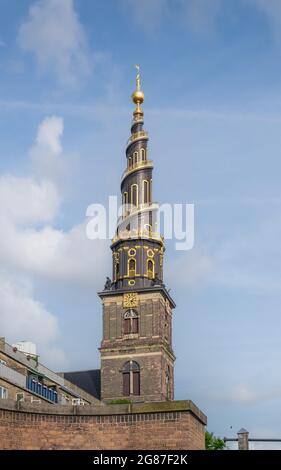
(138, 95)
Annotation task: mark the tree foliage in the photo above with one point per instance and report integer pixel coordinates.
(213, 443)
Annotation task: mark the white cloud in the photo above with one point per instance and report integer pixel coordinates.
(46, 154)
(26, 201)
(28, 209)
(31, 245)
(49, 134)
(53, 33)
(23, 318)
(53, 254)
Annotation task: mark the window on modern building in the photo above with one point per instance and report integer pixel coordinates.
(150, 269)
(131, 378)
(3, 392)
(131, 322)
(20, 396)
(132, 267)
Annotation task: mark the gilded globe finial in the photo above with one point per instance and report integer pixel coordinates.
(138, 95)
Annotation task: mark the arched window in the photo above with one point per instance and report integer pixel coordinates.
(129, 162)
(143, 155)
(135, 158)
(150, 269)
(145, 192)
(132, 267)
(131, 322)
(131, 378)
(134, 195)
(125, 203)
(148, 229)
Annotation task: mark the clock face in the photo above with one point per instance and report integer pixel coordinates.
(130, 299)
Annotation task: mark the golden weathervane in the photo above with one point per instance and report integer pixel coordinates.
(138, 95)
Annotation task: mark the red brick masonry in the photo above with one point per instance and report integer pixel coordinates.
(162, 425)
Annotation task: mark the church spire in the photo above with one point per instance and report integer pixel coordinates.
(136, 351)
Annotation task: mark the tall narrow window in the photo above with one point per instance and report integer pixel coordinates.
(129, 162)
(125, 203)
(135, 158)
(131, 322)
(117, 270)
(168, 383)
(145, 192)
(136, 382)
(143, 155)
(134, 195)
(126, 384)
(132, 267)
(150, 269)
(131, 378)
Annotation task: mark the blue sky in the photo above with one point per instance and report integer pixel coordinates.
(211, 75)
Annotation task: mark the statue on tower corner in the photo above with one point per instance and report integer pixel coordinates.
(108, 284)
(157, 281)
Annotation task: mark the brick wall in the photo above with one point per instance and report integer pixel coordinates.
(175, 425)
(151, 348)
(152, 376)
(13, 390)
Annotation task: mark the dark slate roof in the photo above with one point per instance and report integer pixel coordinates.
(88, 380)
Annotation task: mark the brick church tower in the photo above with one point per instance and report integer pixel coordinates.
(137, 359)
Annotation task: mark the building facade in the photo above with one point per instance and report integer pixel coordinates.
(24, 379)
(137, 359)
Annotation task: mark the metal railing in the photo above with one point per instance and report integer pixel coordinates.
(136, 136)
(243, 439)
(125, 235)
(136, 166)
(40, 389)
